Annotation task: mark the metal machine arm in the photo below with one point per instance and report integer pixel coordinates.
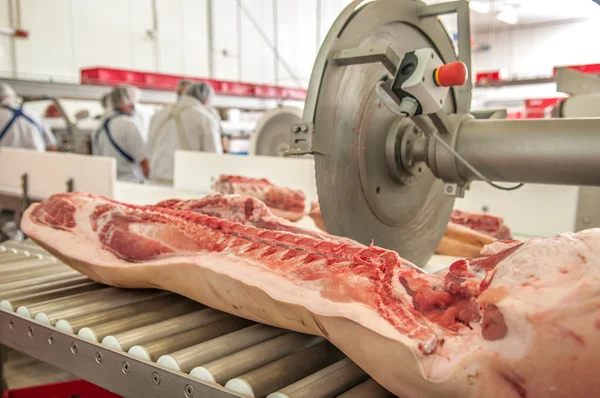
(561, 151)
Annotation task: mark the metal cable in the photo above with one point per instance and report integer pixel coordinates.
(439, 139)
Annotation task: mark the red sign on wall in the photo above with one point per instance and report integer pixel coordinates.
(540, 108)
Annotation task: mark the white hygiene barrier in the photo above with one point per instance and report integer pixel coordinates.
(48, 172)
(197, 171)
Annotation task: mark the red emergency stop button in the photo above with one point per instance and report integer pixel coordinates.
(449, 75)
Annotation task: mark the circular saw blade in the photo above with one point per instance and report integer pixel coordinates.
(358, 197)
(272, 134)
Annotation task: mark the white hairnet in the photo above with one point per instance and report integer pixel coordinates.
(201, 91)
(183, 83)
(105, 101)
(123, 95)
(7, 94)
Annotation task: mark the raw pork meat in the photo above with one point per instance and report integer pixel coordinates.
(461, 241)
(316, 215)
(485, 223)
(458, 240)
(523, 321)
(248, 211)
(283, 202)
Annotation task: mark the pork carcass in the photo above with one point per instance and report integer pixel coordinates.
(283, 202)
(248, 211)
(523, 321)
(486, 223)
(458, 240)
(316, 215)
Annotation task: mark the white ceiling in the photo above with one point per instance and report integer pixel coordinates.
(528, 12)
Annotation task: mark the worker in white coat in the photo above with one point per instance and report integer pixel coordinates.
(187, 125)
(18, 129)
(119, 136)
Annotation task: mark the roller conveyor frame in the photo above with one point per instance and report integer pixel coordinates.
(118, 372)
(129, 375)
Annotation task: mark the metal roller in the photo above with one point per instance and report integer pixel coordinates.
(125, 340)
(188, 358)
(40, 280)
(26, 247)
(73, 325)
(369, 388)
(155, 349)
(119, 325)
(284, 371)
(40, 285)
(226, 368)
(49, 312)
(8, 258)
(329, 382)
(17, 301)
(28, 263)
(36, 272)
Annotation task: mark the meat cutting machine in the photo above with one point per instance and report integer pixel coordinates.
(387, 120)
(271, 138)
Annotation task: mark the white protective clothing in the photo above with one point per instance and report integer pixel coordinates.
(187, 125)
(20, 130)
(118, 136)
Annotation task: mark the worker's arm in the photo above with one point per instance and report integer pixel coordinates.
(49, 138)
(145, 165)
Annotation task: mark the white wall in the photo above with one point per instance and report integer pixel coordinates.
(67, 35)
(533, 51)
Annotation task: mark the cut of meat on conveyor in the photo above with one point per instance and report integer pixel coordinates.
(173, 333)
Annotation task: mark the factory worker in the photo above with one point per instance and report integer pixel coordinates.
(119, 136)
(18, 129)
(187, 125)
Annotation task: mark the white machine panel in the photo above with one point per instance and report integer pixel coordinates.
(49, 172)
(197, 171)
(532, 210)
(148, 194)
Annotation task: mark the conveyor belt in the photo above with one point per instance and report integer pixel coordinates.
(150, 343)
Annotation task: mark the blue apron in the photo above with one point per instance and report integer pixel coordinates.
(17, 113)
(106, 129)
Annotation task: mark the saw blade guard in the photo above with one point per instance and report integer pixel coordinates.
(360, 198)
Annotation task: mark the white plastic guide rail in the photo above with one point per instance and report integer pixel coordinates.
(196, 171)
(48, 173)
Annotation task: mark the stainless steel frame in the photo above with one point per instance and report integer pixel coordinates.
(115, 371)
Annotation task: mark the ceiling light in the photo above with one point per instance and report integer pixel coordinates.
(479, 7)
(508, 15)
